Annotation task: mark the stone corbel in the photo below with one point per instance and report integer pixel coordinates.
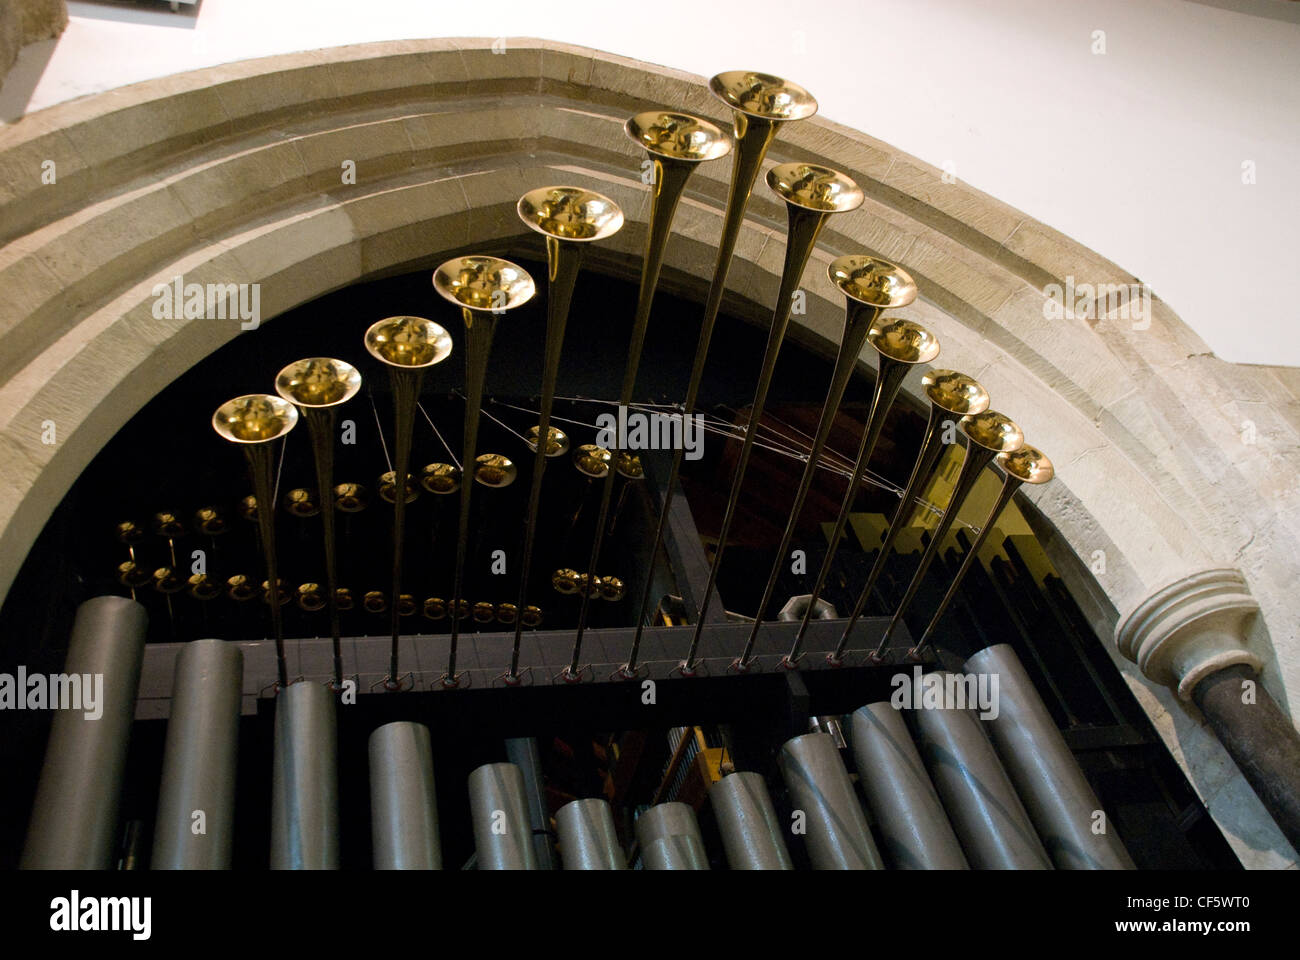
(1191, 629)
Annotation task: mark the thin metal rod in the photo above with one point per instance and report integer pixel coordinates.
(406, 393)
(1010, 485)
(320, 427)
(889, 379)
(479, 328)
(804, 225)
(261, 460)
(670, 181)
(975, 460)
(563, 261)
(754, 136)
(927, 458)
(858, 318)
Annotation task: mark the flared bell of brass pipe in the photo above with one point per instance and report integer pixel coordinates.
(494, 470)
(899, 345)
(485, 288)
(760, 103)
(255, 422)
(869, 286)
(557, 441)
(318, 386)
(592, 461)
(441, 478)
(986, 435)
(387, 487)
(350, 497)
(569, 218)
(812, 193)
(952, 395)
(1026, 465)
(407, 347)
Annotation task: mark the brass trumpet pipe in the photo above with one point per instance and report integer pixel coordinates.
(261, 470)
(569, 218)
(485, 288)
(479, 330)
(804, 224)
(676, 143)
(753, 135)
(889, 379)
(951, 395)
(858, 320)
(999, 434)
(1026, 465)
(255, 422)
(563, 262)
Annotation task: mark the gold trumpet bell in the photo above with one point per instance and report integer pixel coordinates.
(301, 502)
(254, 418)
(350, 497)
(484, 283)
(570, 213)
(494, 470)
(129, 532)
(131, 574)
(388, 487)
(310, 597)
(565, 580)
(204, 587)
(374, 601)
(955, 392)
(628, 466)
(343, 598)
(763, 95)
(408, 342)
(592, 460)
(1027, 464)
(240, 588)
(318, 382)
(557, 441)
(507, 613)
(440, 478)
(903, 341)
(434, 608)
(815, 187)
(875, 282)
(677, 136)
(611, 588)
(484, 612)
(248, 508)
(168, 525)
(209, 522)
(167, 580)
(531, 616)
(993, 431)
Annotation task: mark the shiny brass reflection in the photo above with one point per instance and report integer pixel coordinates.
(440, 478)
(494, 470)
(592, 461)
(570, 213)
(350, 497)
(301, 502)
(557, 444)
(388, 488)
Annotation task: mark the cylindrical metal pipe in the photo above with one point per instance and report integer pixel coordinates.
(913, 826)
(195, 827)
(524, 753)
(502, 837)
(588, 840)
(982, 805)
(304, 780)
(751, 832)
(838, 837)
(74, 817)
(403, 802)
(1048, 778)
(670, 839)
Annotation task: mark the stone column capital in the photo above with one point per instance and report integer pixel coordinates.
(1190, 629)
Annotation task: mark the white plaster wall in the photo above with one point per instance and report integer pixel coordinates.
(1137, 153)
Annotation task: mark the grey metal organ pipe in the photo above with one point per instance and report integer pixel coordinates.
(304, 780)
(987, 815)
(403, 803)
(839, 837)
(670, 839)
(751, 831)
(914, 827)
(503, 838)
(195, 826)
(1065, 811)
(588, 840)
(74, 816)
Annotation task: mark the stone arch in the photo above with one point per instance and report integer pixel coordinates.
(233, 175)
